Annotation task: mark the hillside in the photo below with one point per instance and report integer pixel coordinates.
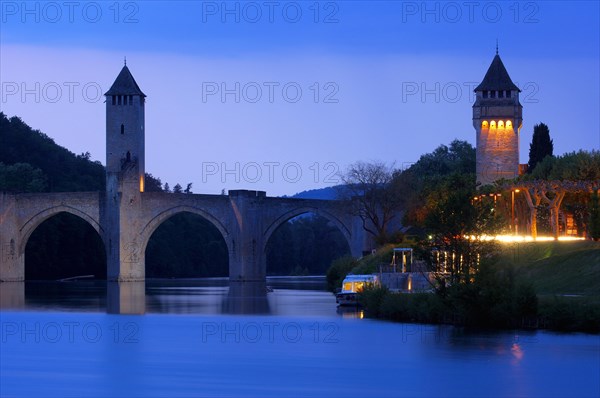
(26, 152)
(557, 267)
(183, 246)
(327, 193)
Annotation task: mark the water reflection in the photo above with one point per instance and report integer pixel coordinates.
(246, 298)
(12, 295)
(126, 297)
(207, 296)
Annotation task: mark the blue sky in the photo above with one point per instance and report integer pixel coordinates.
(313, 86)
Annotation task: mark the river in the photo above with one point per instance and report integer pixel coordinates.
(285, 338)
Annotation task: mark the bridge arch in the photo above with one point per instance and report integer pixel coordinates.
(303, 210)
(157, 220)
(33, 222)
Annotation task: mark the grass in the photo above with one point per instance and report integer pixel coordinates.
(557, 268)
(565, 293)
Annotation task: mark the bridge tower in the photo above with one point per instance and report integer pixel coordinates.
(497, 118)
(124, 177)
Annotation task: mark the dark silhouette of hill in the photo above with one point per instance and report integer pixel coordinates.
(183, 246)
(61, 170)
(327, 193)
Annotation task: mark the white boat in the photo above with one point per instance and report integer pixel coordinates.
(352, 285)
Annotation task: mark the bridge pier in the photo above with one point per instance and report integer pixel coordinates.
(246, 258)
(12, 251)
(126, 297)
(123, 219)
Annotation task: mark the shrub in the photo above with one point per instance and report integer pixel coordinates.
(338, 270)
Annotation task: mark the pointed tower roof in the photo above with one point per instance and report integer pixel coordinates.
(125, 84)
(497, 77)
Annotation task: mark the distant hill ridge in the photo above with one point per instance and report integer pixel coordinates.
(327, 193)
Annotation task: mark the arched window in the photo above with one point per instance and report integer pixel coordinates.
(122, 129)
(114, 100)
(500, 124)
(493, 124)
(508, 124)
(484, 124)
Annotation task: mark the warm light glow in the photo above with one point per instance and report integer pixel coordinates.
(484, 124)
(500, 124)
(493, 124)
(522, 238)
(141, 183)
(508, 124)
(517, 190)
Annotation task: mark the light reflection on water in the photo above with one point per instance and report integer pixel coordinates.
(278, 296)
(282, 338)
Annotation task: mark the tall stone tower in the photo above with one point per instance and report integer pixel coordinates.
(497, 118)
(124, 176)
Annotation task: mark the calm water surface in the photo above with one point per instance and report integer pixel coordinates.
(286, 338)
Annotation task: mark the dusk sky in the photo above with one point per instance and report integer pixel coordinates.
(311, 87)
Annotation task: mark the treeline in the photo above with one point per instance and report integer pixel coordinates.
(183, 246)
(306, 245)
(30, 161)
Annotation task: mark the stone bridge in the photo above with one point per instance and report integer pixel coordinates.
(125, 216)
(245, 219)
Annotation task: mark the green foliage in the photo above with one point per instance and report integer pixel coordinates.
(371, 298)
(455, 221)
(305, 245)
(338, 271)
(152, 184)
(425, 183)
(186, 246)
(64, 246)
(595, 217)
(494, 299)
(503, 293)
(63, 171)
(541, 146)
(575, 166)
(556, 267)
(21, 177)
(370, 264)
(570, 314)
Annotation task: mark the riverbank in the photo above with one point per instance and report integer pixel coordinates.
(534, 285)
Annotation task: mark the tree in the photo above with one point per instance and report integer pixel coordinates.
(21, 177)
(457, 223)
(367, 188)
(152, 184)
(581, 166)
(419, 185)
(188, 189)
(540, 147)
(595, 217)
(167, 188)
(177, 188)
